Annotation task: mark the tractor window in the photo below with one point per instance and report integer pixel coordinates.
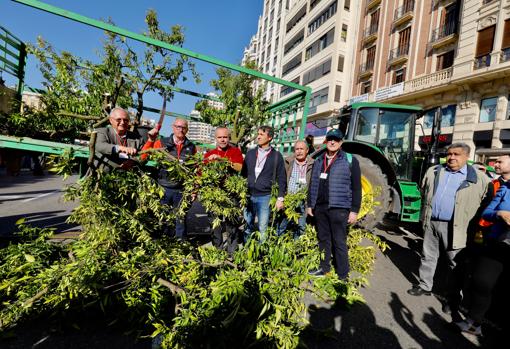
(366, 129)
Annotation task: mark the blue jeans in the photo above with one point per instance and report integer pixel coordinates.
(297, 229)
(258, 206)
(173, 198)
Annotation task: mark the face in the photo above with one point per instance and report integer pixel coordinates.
(300, 151)
(120, 121)
(456, 158)
(333, 144)
(222, 137)
(263, 138)
(180, 128)
(502, 165)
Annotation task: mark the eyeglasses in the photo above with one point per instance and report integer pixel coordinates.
(119, 121)
(179, 127)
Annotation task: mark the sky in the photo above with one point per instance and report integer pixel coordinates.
(221, 29)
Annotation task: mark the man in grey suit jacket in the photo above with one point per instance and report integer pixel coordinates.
(117, 143)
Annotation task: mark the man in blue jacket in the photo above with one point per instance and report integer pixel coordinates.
(334, 198)
(262, 166)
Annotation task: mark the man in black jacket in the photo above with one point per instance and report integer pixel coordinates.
(263, 166)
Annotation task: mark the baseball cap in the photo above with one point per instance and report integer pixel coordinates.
(335, 133)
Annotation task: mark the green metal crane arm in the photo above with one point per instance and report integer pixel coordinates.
(142, 38)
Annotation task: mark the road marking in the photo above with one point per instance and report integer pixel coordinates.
(41, 196)
(12, 197)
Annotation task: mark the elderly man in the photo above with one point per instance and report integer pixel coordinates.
(117, 143)
(181, 148)
(334, 198)
(234, 156)
(263, 167)
(299, 169)
(452, 194)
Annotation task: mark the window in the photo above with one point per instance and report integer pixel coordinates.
(338, 92)
(296, 19)
(488, 109)
(292, 64)
(295, 41)
(366, 86)
(320, 44)
(285, 90)
(278, 25)
(343, 35)
(347, 5)
(403, 40)
(505, 44)
(317, 72)
(340, 63)
(370, 57)
(322, 18)
(374, 21)
(484, 47)
(447, 116)
(445, 60)
(399, 75)
(318, 98)
(314, 3)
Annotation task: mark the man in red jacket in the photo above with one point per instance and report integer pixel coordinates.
(235, 157)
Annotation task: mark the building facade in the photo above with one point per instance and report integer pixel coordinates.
(439, 53)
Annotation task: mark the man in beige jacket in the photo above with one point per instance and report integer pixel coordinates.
(452, 194)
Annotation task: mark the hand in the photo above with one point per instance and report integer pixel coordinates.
(353, 217)
(127, 150)
(505, 216)
(309, 211)
(279, 205)
(153, 134)
(213, 157)
(193, 196)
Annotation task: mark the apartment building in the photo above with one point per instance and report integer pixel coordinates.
(311, 44)
(439, 53)
(201, 132)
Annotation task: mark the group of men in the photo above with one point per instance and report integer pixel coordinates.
(333, 181)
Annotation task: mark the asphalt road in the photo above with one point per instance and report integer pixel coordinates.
(390, 318)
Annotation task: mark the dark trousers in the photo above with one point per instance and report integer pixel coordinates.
(488, 269)
(173, 198)
(332, 235)
(232, 237)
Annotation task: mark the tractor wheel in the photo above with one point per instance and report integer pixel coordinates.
(375, 194)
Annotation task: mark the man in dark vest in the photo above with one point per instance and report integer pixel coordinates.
(334, 198)
(181, 148)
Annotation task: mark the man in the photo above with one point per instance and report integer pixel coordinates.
(224, 150)
(263, 166)
(452, 194)
(181, 148)
(299, 169)
(334, 198)
(117, 143)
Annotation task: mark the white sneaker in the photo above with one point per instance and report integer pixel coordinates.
(468, 326)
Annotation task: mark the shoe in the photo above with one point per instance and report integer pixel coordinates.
(318, 272)
(469, 326)
(418, 291)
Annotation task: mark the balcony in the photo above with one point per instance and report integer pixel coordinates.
(482, 61)
(398, 55)
(485, 2)
(371, 4)
(443, 35)
(403, 14)
(370, 34)
(441, 77)
(505, 55)
(366, 69)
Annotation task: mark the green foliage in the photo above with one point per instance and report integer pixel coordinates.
(244, 107)
(188, 296)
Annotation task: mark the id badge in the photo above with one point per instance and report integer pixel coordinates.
(257, 171)
(324, 176)
(302, 180)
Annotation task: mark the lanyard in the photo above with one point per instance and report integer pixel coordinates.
(224, 155)
(119, 139)
(330, 163)
(178, 147)
(263, 158)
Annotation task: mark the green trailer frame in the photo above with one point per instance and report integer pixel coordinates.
(13, 54)
(288, 116)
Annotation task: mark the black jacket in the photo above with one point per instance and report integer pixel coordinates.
(273, 171)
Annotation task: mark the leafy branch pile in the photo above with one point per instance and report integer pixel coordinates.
(188, 296)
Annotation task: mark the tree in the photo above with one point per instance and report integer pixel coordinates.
(244, 106)
(80, 92)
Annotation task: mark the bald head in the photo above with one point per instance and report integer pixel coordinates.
(222, 135)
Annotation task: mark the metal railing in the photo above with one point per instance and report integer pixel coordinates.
(482, 61)
(372, 29)
(398, 52)
(430, 80)
(365, 67)
(404, 9)
(443, 31)
(505, 55)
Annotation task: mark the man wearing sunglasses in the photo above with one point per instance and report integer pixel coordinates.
(117, 143)
(334, 198)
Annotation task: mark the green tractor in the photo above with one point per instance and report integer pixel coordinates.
(382, 137)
